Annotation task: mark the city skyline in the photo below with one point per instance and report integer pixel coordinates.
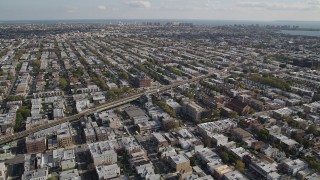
(255, 10)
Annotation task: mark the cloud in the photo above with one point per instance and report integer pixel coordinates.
(140, 4)
(101, 7)
(315, 3)
(308, 5)
(71, 9)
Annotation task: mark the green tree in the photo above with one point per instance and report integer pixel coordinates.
(263, 135)
(25, 112)
(124, 75)
(18, 66)
(233, 114)
(10, 78)
(313, 164)
(306, 143)
(90, 167)
(15, 98)
(163, 105)
(198, 121)
(216, 112)
(4, 52)
(63, 83)
(192, 161)
(69, 109)
(53, 178)
(36, 66)
(312, 129)
(111, 94)
(232, 138)
(208, 142)
(18, 123)
(224, 157)
(172, 125)
(252, 111)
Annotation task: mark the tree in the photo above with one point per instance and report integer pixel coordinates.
(232, 138)
(69, 109)
(171, 125)
(216, 112)
(18, 66)
(192, 161)
(312, 129)
(63, 83)
(10, 78)
(198, 121)
(252, 111)
(283, 65)
(124, 75)
(233, 114)
(53, 178)
(25, 112)
(90, 167)
(111, 94)
(240, 165)
(313, 164)
(263, 135)
(18, 122)
(15, 98)
(36, 65)
(163, 105)
(208, 142)
(306, 143)
(224, 156)
(22, 114)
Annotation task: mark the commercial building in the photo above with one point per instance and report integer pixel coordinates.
(141, 81)
(136, 114)
(64, 138)
(238, 106)
(149, 126)
(240, 133)
(193, 110)
(102, 153)
(35, 143)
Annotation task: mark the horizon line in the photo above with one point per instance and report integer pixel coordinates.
(157, 19)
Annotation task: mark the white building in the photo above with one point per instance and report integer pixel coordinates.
(72, 174)
(108, 172)
(3, 171)
(37, 174)
(102, 153)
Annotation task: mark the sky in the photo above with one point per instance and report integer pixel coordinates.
(261, 10)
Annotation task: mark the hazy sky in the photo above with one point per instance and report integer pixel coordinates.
(307, 10)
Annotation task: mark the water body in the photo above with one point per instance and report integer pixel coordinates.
(301, 33)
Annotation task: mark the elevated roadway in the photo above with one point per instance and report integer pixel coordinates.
(9, 138)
